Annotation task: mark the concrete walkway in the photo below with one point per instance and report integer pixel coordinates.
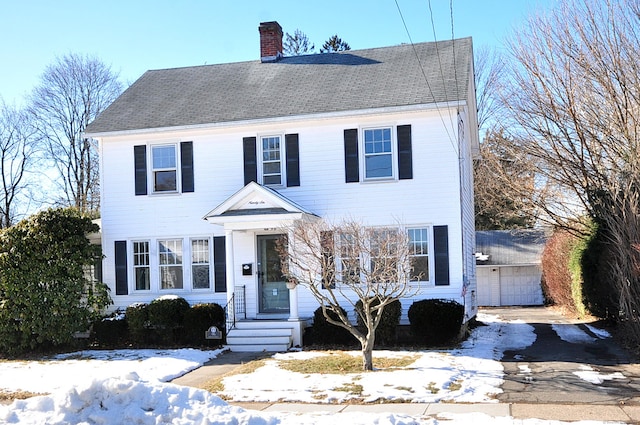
(574, 411)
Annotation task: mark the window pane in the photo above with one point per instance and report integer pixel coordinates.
(165, 181)
(271, 168)
(378, 166)
(142, 279)
(274, 180)
(171, 277)
(378, 153)
(200, 276)
(200, 263)
(141, 265)
(420, 268)
(419, 250)
(164, 156)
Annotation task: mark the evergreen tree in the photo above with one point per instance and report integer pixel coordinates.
(334, 44)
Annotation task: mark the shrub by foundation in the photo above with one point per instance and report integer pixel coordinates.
(324, 332)
(386, 331)
(436, 321)
(201, 317)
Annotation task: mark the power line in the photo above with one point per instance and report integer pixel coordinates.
(424, 76)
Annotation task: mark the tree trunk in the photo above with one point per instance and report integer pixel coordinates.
(367, 351)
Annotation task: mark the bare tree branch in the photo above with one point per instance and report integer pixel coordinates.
(72, 92)
(346, 263)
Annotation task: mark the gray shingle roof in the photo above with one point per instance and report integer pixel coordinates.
(511, 247)
(298, 85)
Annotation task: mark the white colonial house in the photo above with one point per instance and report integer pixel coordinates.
(202, 168)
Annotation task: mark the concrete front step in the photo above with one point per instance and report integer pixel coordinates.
(259, 336)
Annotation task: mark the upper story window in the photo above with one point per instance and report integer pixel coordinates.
(271, 160)
(378, 154)
(381, 153)
(168, 167)
(164, 168)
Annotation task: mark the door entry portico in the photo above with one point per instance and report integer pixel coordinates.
(272, 289)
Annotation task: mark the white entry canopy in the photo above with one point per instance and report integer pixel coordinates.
(259, 205)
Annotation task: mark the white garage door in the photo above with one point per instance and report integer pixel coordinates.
(509, 285)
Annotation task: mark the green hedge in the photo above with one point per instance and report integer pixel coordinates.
(387, 328)
(324, 332)
(201, 317)
(436, 321)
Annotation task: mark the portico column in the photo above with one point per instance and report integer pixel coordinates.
(293, 303)
(229, 265)
(293, 291)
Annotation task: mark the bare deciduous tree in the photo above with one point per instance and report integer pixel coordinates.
(490, 69)
(297, 44)
(72, 92)
(504, 185)
(17, 159)
(575, 103)
(346, 263)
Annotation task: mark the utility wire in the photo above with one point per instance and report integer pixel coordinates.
(424, 76)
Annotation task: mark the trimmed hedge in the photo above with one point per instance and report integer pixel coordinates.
(436, 321)
(201, 317)
(387, 328)
(110, 331)
(324, 332)
(137, 317)
(166, 317)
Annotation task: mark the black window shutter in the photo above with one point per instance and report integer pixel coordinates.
(405, 162)
(351, 160)
(441, 254)
(293, 160)
(219, 264)
(122, 287)
(140, 166)
(250, 160)
(186, 165)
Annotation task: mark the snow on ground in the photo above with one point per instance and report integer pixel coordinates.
(572, 334)
(129, 386)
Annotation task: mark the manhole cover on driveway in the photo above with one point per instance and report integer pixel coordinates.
(569, 362)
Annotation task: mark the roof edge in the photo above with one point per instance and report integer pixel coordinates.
(278, 119)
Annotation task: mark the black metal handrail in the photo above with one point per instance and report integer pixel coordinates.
(235, 308)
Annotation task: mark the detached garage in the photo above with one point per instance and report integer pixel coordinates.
(508, 267)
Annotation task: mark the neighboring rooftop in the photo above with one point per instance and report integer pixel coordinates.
(403, 75)
(509, 247)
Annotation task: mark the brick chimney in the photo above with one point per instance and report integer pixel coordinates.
(270, 41)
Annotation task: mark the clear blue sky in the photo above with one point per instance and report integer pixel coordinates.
(133, 36)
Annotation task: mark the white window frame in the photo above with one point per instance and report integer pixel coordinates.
(364, 155)
(208, 263)
(153, 170)
(428, 255)
(137, 265)
(281, 160)
(173, 260)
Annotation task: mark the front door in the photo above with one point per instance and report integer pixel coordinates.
(274, 295)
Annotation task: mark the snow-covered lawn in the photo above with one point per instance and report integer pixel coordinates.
(130, 386)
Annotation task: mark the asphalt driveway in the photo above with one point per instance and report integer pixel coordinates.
(585, 368)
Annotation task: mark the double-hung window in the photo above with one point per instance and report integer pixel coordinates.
(419, 253)
(271, 160)
(349, 259)
(378, 154)
(200, 263)
(141, 265)
(164, 167)
(170, 256)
